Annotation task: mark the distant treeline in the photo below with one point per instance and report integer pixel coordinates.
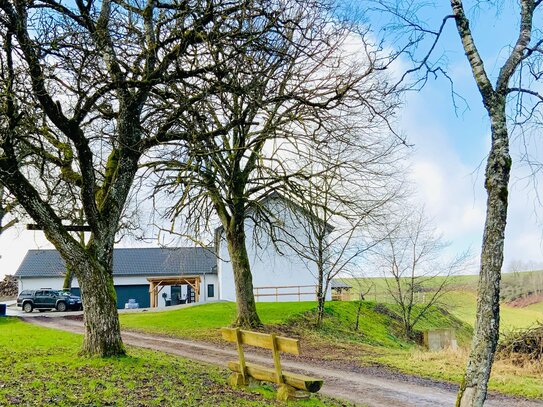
(517, 285)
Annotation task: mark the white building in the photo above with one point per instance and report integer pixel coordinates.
(279, 273)
(164, 276)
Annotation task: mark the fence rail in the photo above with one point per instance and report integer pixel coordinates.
(280, 291)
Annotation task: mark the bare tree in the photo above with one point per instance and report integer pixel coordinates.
(411, 259)
(510, 99)
(274, 92)
(77, 79)
(350, 193)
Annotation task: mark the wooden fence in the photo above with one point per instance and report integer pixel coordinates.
(308, 292)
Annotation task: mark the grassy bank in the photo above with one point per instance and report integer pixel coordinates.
(461, 301)
(377, 341)
(40, 367)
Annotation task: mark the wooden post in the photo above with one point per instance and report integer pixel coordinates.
(277, 360)
(241, 356)
(299, 299)
(276, 295)
(152, 294)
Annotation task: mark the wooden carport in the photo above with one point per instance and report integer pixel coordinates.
(156, 284)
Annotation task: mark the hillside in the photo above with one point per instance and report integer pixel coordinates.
(379, 324)
(461, 300)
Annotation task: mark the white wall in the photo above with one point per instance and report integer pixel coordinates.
(205, 280)
(31, 283)
(44, 282)
(270, 268)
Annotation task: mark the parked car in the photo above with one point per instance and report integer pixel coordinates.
(47, 299)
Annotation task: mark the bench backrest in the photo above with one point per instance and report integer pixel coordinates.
(260, 340)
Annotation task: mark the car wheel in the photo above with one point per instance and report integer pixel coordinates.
(61, 306)
(27, 307)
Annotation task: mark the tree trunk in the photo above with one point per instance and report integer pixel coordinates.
(68, 277)
(474, 386)
(102, 328)
(321, 297)
(247, 316)
(358, 311)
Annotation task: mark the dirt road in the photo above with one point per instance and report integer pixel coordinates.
(362, 386)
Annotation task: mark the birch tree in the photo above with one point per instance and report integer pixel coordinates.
(510, 99)
(498, 167)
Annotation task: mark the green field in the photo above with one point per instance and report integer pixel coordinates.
(40, 367)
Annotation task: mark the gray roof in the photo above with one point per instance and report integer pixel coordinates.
(339, 284)
(129, 262)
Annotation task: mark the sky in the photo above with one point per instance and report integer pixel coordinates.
(448, 154)
(451, 144)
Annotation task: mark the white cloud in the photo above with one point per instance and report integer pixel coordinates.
(452, 189)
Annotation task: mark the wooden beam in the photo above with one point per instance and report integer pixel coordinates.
(295, 380)
(69, 228)
(260, 340)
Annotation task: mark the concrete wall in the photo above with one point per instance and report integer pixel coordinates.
(270, 267)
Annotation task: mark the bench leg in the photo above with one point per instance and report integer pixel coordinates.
(286, 393)
(236, 380)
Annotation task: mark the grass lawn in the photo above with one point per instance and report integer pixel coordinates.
(40, 367)
(376, 341)
(205, 321)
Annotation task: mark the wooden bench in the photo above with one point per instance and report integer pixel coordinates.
(291, 385)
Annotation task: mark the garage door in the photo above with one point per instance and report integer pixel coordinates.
(138, 292)
(124, 292)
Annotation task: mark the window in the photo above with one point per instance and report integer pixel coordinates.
(210, 290)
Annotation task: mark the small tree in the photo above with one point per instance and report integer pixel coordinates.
(411, 259)
(340, 205)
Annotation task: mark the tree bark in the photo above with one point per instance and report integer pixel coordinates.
(68, 277)
(102, 328)
(473, 389)
(247, 316)
(321, 296)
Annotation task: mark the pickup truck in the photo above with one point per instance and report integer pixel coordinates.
(47, 299)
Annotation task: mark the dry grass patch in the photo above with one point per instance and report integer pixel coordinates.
(507, 376)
